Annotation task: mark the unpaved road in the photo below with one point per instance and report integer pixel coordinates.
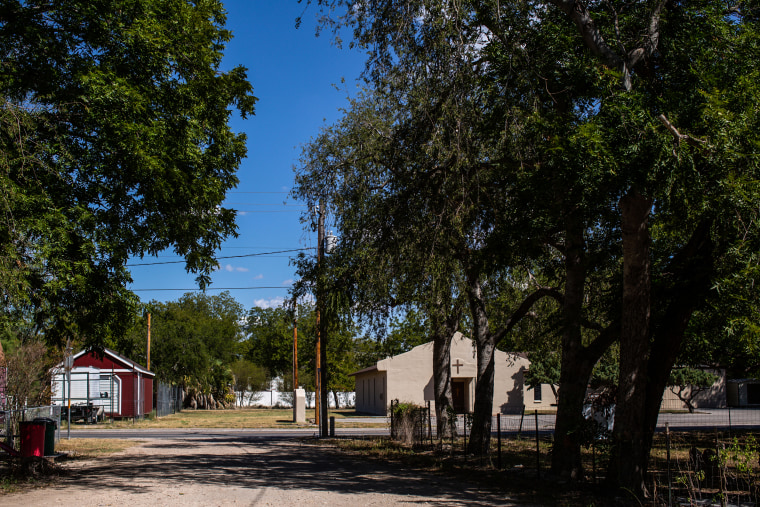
(235, 471)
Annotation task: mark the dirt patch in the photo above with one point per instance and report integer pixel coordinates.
(247, 471)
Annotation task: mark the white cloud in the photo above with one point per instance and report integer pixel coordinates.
(230, 268)
(260, 276)
(269, 303)
(288, 282)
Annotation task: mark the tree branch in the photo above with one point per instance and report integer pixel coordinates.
(576, 10)
(525, 307)
(677, 135)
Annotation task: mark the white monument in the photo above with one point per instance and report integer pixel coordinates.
(299, 406)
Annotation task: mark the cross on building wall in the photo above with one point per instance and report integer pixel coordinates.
(457, 365)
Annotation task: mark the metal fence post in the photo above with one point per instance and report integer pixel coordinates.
(667, 447)
(538, 448)
(498, 441)
(393, 433)
(430, 425)
(464, 431)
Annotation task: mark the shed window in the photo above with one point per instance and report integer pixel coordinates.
(537, 393)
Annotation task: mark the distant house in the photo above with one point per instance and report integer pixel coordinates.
(119, 385)
(714, 396)
(743, 392)
(408, 377)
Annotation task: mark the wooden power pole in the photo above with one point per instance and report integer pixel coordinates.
(321, 394)
(147, 354)
(295, 345)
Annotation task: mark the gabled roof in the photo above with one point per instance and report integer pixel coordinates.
(383, 364)
(365, 370)
(116, 357)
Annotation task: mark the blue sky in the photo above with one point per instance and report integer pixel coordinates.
(294, 75)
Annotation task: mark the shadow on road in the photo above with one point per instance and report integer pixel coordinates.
(278, 464)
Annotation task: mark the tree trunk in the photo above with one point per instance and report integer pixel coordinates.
(691, 271)
(574, 371)
(480, 437)
(630, 433)
(442, 382)
(444, 328)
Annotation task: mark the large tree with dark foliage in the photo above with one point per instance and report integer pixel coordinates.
(621, 136)
(114, 142)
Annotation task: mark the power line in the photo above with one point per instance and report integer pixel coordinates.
(224, 257)
(213, 288)
(263, 204)
(268, 211)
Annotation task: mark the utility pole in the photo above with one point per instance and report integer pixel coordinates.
(148, 349)
(321, 394)
(68, 364)
(295, 344)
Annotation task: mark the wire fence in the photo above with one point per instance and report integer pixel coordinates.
(726, 419)
(168, 399)
(10, 419)
(90, 396)
(711, 455)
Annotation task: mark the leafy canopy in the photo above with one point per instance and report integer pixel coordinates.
(114, 142)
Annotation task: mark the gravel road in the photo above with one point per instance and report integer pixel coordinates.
(233, 471)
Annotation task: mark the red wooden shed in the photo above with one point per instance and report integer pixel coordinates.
(121, 386)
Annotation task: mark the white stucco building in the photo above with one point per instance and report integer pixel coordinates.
(408, 377)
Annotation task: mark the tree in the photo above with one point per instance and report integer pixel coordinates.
(625, 159)
(26, 374)
(115, 143)
(404, 334)
(194, 341)
(269, 344)
(687, 383)
(388, 259)
(248, 377)
(269, 338)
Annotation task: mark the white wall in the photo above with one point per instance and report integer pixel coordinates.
(285, 399)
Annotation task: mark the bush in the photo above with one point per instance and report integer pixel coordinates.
(408, 423)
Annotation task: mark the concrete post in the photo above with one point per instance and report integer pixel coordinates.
(299, 406)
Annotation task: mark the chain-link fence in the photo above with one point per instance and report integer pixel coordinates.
(695, 457)
(92, 395)
(10, 419)
(168, 399)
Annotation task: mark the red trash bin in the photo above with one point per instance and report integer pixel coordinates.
(32, 438)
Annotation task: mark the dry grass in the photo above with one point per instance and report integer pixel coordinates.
(18, 476)
(738, 481)
(234, 419)
(79, 448)
(517, 478)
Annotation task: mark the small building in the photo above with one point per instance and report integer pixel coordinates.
(712, 397)
(408, 377)
(743, 392)
(119, 385)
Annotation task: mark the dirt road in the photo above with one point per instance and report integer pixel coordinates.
(231, 471)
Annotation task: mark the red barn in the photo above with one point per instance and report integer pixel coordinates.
(121, 386)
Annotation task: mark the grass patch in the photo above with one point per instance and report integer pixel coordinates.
(734, 475)
(85, 448)
(18, 475)
(243, 418)
(515, 479)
